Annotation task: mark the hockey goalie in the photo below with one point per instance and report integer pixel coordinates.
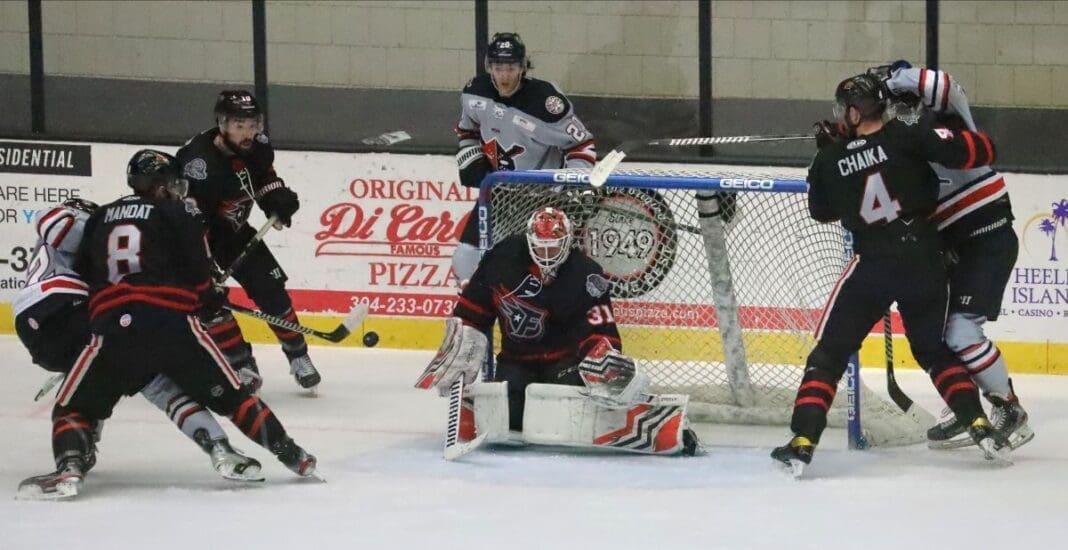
(561, 377)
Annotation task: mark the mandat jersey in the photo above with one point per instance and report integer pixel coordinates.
(540, 324)
(225, 186)
(51, 269)
(146, 251)
(881, 185)
(533, 129)
(971, 201)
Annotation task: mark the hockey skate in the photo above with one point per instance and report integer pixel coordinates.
(65, 482)
(994, 444)
(795, 455)
(304, 372)
(296, 459)
(1010, 420)
(231, 464)
(949, 433)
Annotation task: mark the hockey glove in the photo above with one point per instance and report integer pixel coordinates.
(828, 132)
(279, 200)
(212, 301)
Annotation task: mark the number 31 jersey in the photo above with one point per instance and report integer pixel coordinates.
(881, 186)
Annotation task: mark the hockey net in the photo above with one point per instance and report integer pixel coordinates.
(719, 280)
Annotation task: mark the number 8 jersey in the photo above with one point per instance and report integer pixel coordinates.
(881, 186)
(144, 251)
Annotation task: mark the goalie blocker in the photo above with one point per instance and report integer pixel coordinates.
(610, 410)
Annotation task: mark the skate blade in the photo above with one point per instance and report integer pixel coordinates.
(794, 467)
(995, 455)
(249, 475)
(61, 491)
(947, 444)
(1021, 437)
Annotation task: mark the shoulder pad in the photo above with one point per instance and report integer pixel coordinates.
(480, 85)
(542, 100)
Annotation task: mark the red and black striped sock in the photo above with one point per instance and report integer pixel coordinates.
(72, 435)
(955, 386)
(256, 420)
(814, 398)
(293, 343)
(227, 335)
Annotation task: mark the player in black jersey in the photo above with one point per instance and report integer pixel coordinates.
(230, 167)
(148, 271)
(875, 179)
(509, 121)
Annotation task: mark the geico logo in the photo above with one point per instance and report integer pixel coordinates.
(571, 177)
(483, 227)
(741, 183)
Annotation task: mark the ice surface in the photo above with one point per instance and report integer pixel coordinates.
(379, 445)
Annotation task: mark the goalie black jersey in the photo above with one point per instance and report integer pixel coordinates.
(881, 186)
(541, 324)
(137, 250)
(225, 186)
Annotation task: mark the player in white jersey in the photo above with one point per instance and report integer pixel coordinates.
(974, 217)
(52, 320)
(509, 121)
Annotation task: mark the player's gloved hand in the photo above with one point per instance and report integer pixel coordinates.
(212, 301)
(828, 132)
(280, 201)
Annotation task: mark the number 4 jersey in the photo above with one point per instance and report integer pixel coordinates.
(142, 251)
(881, 186)
(540, 324)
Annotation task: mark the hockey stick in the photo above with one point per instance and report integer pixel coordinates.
(354, 318)
(49, 384)
(911, 409)
(271, 221)
(602, 169)
(454, 448)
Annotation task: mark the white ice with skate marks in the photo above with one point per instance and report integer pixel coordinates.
(378, 441)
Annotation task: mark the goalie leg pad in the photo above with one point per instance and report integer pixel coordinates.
(564, 415)
(490, 407)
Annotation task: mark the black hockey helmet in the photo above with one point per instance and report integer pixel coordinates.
(149, 169)
(507, 47)
(236, 104)
(82, 205)
(864, 93)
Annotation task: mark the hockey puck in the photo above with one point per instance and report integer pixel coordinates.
(370, 339)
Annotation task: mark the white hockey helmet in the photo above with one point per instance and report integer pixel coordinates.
(549, 240)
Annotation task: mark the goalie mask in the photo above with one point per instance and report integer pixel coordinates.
(549, 240)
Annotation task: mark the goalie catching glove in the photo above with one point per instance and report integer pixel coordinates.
(461, 354)
(612, 380)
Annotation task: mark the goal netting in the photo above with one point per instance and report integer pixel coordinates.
(719, 280)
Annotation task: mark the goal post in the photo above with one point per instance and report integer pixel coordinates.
(719, 280)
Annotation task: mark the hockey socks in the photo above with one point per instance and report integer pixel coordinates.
(814, 398)
(955, 386)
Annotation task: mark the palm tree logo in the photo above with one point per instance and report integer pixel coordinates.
(1050, 229)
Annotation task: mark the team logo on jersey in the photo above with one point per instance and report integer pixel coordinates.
(525, 321)
(501, 158)
(596, 285)
(498, 112)
(478, 104)
(262, 138)
(126, 320)
(196, 169)
(33, 323)
(944, 133)
(191, 207)
(235, 212)
(554, 104)
(856, 143)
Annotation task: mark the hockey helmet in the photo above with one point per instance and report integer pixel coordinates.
(864, 93)
(237, 104)
(149, 169)
(507, 47)
(549, 239)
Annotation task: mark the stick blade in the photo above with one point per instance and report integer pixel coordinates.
(351, 321)
(601, 171)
